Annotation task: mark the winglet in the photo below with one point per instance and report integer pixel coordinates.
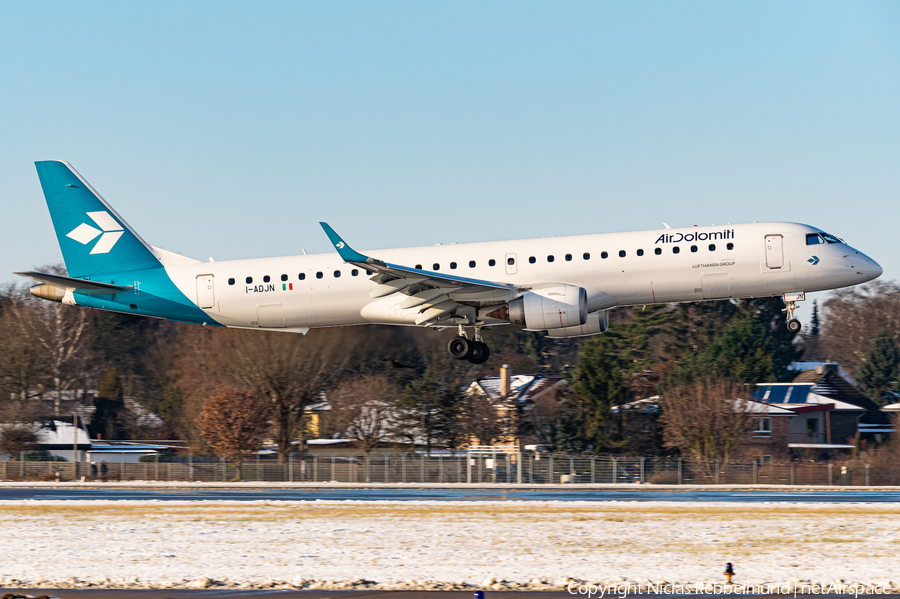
(347, 253)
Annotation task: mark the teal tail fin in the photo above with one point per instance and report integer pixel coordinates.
(94, 239)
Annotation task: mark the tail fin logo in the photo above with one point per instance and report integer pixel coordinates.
(110, 231)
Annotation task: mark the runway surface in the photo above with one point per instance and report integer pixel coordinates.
(452, 494)
(262, 594)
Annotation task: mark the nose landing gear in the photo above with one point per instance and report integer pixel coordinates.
(790, 304)
(462, 348)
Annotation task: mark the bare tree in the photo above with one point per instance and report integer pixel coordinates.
(486, 422)
(854, 316)
(364, 406)
(233, 421)
(19, 429)
(707, 419)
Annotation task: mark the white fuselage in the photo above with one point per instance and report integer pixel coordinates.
(319, 290)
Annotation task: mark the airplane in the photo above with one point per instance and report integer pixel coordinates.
(563, 286)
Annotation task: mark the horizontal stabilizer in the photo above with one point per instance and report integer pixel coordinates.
(80, 285)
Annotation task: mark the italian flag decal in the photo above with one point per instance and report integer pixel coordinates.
(287, 286)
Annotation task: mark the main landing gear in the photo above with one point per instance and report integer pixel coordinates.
(790, 304)
(462, 348)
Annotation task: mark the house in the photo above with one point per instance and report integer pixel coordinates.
(828, 382)
(61, 439)
(534, 397)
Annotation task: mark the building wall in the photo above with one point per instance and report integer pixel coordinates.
(775, 446)
(844, 426)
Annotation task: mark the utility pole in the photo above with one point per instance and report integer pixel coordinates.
(74, 445)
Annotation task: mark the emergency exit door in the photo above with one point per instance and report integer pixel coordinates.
(774, 251)
(206, 294)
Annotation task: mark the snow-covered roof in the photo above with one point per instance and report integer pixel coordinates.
(56, 432)
(522, 387)
(650, 405)
(894, 407)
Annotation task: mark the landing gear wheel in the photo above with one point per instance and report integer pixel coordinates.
(460, 348)
(480, 353)
(793, 325)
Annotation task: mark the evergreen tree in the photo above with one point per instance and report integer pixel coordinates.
(879, 373)
(814, 321)
(108, 405)
(426, 412)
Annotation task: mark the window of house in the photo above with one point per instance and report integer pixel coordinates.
(249, 280)
(712, 247)
(301, 276)
(492, 262)
(319, 275)
(354, 272)
(730, 246)
(231, 281)
(471, 264)
(621, 253)
(568, 257)
(532, 260)
(586, 256)
(676, 249)
(657, 251)
(284, 277)
(604, 255)
(266, 279)
(762, 427)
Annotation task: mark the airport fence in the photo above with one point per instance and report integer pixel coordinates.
(478, 468)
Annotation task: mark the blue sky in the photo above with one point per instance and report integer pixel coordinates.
(230, 129)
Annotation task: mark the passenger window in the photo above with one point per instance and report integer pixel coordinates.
(694, 248)
(568, 257)
(471, 264)
(249, 280)
(435, 266)
(604, 255)
(730, 246)
(657, 251)
(354, 272)
(453, 266)
(301, 276)
(586, 256)
(640, 252)
(492, 262)
(621, 253)
(676, 249)
(266, 279)
(418, 267)
(550, 258)
(532, 260)
(337, 274)
(369, 273)
(231, 281)
(284, 277)
(712, 247)
(510, 261)
(319, 275)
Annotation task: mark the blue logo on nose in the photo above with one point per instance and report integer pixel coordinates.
(814, 260)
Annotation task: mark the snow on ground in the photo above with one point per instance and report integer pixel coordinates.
(440, 544)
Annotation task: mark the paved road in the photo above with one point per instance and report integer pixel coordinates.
(456, 494)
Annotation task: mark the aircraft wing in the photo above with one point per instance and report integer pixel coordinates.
(429, 289)
(80, 285)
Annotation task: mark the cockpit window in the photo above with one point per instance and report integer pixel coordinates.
(830, 238)
(813, 239)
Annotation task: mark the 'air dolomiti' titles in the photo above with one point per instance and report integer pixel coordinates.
(679, 237)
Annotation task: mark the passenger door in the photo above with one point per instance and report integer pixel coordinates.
(774, 251)
(206, 294)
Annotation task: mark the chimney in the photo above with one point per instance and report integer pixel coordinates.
(504, 381)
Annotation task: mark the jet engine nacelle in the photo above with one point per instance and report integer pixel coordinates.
(597, 322)
(550, 308)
